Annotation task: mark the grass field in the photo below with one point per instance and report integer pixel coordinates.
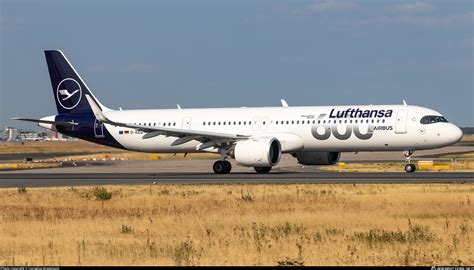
(82, 150)
(443, 166)
(44, 147)
(287, 224)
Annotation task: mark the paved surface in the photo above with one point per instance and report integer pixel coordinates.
(347, 156)
(182, 171)
(79, 179)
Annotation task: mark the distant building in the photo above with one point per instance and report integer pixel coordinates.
(13, 134)
(27, 136)
(9, 134)
(51, 135)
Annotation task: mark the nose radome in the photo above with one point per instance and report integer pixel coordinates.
(456, 134)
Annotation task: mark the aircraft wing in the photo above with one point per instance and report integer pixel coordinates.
(184, 135)
(58, 123)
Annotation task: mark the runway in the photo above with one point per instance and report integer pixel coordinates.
(85, 179)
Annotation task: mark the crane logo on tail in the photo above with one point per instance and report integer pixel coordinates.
(69, 93)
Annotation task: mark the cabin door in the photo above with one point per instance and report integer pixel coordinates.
(401, 124)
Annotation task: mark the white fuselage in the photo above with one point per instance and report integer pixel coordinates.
(322, 128)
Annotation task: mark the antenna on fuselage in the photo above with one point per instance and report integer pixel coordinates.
(404, 103)
(284, 103)
(179, 107)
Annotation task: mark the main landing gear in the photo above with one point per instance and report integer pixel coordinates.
(409, 167)
(222, 167)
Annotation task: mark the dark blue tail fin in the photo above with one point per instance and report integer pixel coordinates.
(68, 87)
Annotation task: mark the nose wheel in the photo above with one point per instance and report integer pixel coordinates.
(409, 167)
(222, 167)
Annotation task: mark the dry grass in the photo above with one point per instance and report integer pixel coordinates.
(467, 138)
(80, 150)
(291, 224)
(458, 166)
(23, 166)
(45, 147)
(140, 156)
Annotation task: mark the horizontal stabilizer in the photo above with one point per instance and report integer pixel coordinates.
(57, 123)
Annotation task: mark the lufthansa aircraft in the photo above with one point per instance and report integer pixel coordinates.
(254, 137)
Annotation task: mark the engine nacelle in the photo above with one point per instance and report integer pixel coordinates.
(318, 158)
(261, 152)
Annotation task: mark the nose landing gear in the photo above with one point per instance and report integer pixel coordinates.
(409, 167)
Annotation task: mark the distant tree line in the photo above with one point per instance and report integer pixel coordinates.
(467, 130)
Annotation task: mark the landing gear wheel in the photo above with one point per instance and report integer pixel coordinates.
(222, 167)
(228, 167)
(409, 168)
(262, 169)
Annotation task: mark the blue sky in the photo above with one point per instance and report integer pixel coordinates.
(154, 54)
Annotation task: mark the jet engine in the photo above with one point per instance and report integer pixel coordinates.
(259, 152)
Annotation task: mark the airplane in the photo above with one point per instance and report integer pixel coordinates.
(254, 137)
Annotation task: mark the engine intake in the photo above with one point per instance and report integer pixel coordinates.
(317, 158)
(261, 152)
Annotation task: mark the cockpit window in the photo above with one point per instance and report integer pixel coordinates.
(430, 119)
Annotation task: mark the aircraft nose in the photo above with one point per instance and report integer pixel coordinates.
(456, 134)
